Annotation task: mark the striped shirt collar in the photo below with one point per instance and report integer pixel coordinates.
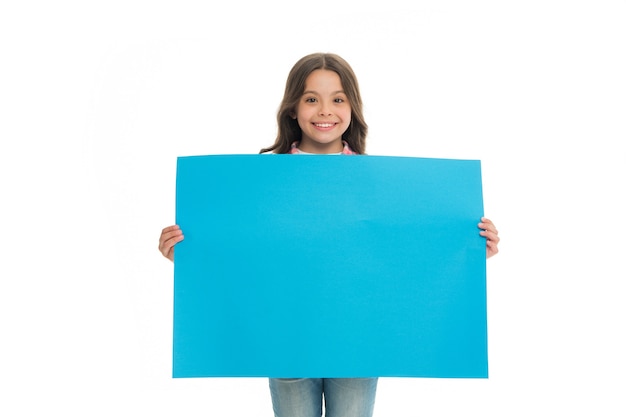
(346, 149)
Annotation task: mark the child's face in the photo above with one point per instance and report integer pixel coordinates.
(323, 113)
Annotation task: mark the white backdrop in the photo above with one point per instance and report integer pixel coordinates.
(99, 98)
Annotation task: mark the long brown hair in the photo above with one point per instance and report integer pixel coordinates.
(288, 128)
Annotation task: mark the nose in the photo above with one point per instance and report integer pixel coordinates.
(325, 111)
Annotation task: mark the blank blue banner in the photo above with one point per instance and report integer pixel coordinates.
(329, 266)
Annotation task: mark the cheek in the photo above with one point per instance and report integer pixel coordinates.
(302, 121)
(302, 113)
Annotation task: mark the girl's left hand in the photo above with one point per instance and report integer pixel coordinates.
(490, 232)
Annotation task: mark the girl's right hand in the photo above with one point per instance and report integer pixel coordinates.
(170, 236)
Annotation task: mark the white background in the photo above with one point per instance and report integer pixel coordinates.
(97, 99)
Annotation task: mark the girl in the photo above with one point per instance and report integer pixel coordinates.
(321, 113)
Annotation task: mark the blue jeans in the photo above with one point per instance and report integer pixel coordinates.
(343, 397)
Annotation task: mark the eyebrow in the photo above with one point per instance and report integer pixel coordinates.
(315, 92)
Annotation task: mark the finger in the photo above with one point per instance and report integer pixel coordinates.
(486, 222)
(168, 240)
(167, 244)
(169, 235)
(492, 243)
(170, 244)
(170, 229)
(492, 246)
(169, 232)
(488, 225)
(491, 236)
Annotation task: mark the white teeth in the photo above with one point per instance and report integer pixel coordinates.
(324, 124)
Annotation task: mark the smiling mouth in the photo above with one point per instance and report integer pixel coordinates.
(324, 125)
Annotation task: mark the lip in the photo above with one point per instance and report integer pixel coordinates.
(324, 125)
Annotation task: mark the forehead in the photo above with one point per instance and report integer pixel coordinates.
(323, 79)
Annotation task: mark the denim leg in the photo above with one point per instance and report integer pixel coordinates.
(350, 397)
(301, 397)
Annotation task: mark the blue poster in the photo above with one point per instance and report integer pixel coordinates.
(329, 266)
